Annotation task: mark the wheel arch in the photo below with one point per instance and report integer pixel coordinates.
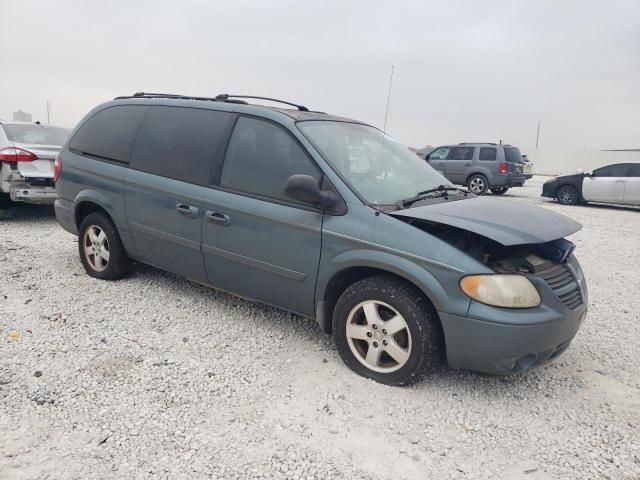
(331, 289)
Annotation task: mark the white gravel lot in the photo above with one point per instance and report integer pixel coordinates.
(156, 377)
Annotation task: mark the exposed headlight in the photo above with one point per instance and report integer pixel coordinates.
(509, 291)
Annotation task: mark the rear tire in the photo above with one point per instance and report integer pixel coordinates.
(567, 195)
(499, 191)
(387, 330)
(100, 247)
(478, 184)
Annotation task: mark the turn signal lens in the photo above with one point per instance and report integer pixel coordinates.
(509, 291)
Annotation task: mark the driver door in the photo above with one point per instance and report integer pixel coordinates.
(256, 241)
(606, 184)
(438, 159)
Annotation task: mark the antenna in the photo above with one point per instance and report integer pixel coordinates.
(48, 113)
(538, 134)
(386, 113)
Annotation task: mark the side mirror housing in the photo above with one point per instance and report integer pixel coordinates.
(306, 189)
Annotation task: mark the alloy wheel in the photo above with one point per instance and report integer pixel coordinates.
(378, 336)
(477, 185)
(566, 195)
(96, 248)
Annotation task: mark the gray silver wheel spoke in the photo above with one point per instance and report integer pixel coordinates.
(373, 356)
(394, 325)
(396, 352)
(371, 313)
(358, 332)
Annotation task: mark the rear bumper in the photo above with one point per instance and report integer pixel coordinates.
(509, 180)
(23, 192)
(65, 215)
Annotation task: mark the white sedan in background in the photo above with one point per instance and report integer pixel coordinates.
(618, 183)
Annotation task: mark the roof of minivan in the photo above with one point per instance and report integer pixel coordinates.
(297, 115)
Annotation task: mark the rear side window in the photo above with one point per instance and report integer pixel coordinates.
(181, 143)
(618, 170)
(488, 153)
(261, 157)
(36, 134)
(462, 153)
(512, 155)
(109, 134)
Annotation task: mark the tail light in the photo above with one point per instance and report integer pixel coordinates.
(57, 168)
(15, 154)
(504, 167)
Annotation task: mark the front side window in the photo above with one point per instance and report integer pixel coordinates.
(439, 154)
(462, 153)
(109, 134)
(36, 134)
(378, 168)
(181, 143)
(261, 156)
(488, 153)
(619, 170)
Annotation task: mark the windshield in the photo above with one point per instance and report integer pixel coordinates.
(36, 134)
(377, 167)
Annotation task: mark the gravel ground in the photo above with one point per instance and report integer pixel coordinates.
(156, 377)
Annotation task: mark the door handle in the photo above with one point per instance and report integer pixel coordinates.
(187, 210)
(467, 164)
(218, 218)
(620, 181)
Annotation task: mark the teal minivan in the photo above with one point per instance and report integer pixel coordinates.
(325, 217)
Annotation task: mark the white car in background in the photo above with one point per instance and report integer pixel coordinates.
(618, 183)
(27, 154)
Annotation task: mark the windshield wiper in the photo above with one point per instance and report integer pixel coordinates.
(405, 202)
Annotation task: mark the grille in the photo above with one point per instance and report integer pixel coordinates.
(560, 279)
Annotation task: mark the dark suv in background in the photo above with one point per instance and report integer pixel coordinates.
(480, 166)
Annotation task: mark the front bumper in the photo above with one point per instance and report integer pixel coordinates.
(549, 189)
(24, 192)
(504, 341)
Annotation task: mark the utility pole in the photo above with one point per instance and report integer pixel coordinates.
(48, 113)
(538, 135)
(386, 113)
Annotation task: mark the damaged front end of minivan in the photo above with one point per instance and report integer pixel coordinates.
(528, 309)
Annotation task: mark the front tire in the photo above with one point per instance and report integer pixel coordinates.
(101, 250)
(499, 191)
(567, 195)
(387, 330)
(478, 184)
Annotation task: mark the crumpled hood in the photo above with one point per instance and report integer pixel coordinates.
(506, 222)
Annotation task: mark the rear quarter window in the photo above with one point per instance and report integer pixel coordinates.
(109, 134)
(488, 153)
(512, 155)
(181, 143)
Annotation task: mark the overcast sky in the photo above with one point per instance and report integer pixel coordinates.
(465, 71)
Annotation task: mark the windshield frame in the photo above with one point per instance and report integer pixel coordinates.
(336, 171)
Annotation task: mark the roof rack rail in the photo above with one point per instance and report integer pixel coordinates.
(477, 143)
(225, 97)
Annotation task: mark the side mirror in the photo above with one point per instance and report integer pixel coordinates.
(579, 171)
(589, 174)
(306, 189)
